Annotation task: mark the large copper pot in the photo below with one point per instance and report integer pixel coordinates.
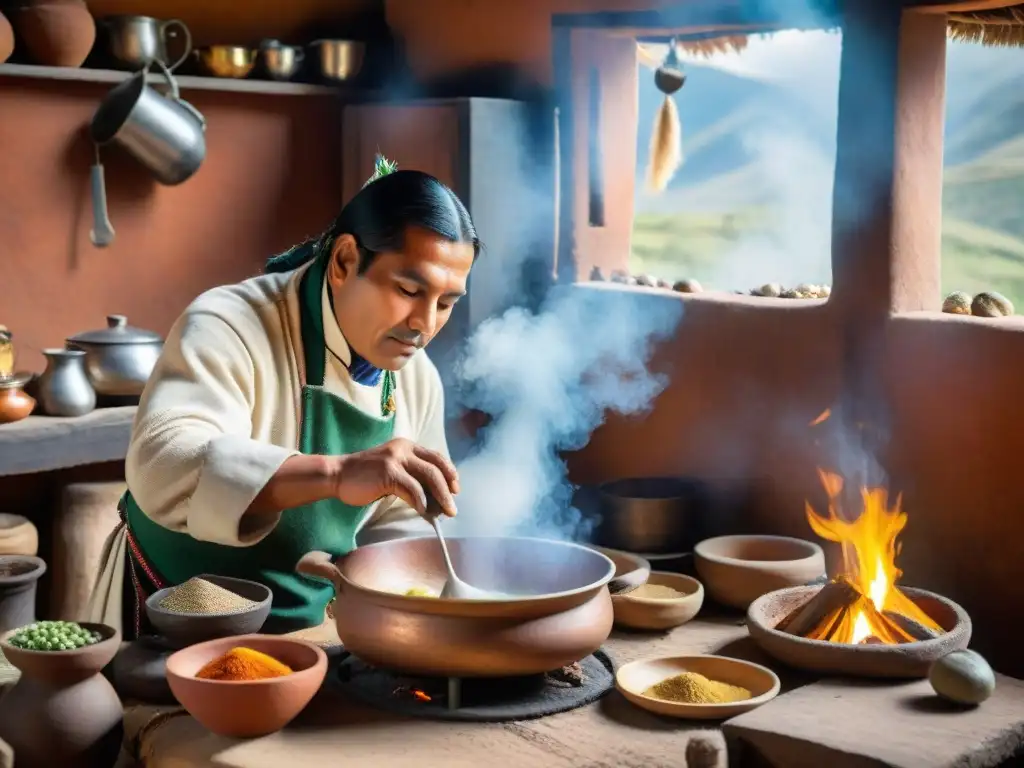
(561, 612)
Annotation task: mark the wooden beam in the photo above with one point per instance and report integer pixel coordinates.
(45, 443)
(961, 6)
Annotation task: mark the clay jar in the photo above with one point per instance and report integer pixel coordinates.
(62, 711)
(18, 578)
(6, 39)
(55, 33)
(15, 403)
(18, 536)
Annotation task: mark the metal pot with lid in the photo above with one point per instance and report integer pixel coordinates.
(119, 358)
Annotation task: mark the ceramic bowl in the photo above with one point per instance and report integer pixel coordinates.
(906, 660)
(736, 570)
(64, 668)
(182, 629)
(638, 612)
(250, 708)
(631, 571)
(636, 677)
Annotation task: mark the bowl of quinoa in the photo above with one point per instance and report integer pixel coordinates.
(207, 607)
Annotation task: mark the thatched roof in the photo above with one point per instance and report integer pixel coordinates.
(710, 46)
(995, 27)
(999, 26)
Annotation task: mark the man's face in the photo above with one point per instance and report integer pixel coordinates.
(400, 303)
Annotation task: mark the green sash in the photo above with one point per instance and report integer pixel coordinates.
(331, 426)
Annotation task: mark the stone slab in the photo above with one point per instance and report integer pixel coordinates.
(861, 724)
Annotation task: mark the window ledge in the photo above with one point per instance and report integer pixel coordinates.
(1012, 324)
(739, 300)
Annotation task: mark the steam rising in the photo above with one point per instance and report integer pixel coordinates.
(548, 379)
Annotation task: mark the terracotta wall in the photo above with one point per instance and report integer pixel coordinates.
(272, 176)
(748, 375)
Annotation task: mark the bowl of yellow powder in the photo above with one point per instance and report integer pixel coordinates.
(246, 686)
(207, 607)
(667, 600)
(697, 687)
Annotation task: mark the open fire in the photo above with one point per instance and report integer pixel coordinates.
(863, 603)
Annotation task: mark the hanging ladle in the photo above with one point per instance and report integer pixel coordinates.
(102, 232)
(455, 588)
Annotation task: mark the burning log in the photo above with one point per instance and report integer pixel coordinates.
(912, 628)
(827, 604)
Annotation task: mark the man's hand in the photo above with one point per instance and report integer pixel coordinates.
(397, 468)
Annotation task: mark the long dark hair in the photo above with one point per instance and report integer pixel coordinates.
(378, 216)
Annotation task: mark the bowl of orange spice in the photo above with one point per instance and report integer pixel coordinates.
(246, 686)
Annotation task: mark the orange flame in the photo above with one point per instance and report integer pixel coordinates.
(869, 549)
(421, 695)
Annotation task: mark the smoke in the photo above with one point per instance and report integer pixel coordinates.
(548, 379)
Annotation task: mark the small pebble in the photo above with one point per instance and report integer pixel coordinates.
(703, 751)
(596, 275)
(771, 290)
(618, 276)
(826, 291)
(687, 286)
(963, 677)
(789, 293)
(646, 281)
(991, 304)
(957, 303)
(664, 284)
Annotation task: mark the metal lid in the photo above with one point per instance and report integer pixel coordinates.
(117, 332)
(16, 380)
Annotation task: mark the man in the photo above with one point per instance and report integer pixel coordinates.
(295, 410)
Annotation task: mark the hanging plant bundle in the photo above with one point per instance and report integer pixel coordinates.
(666, 150)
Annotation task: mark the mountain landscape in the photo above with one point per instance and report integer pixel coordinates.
(752, 202)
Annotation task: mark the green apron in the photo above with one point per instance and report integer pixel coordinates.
(331, 426)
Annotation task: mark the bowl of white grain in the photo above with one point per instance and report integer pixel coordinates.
(207, 607)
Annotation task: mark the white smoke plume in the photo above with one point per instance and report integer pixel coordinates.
(548, 380)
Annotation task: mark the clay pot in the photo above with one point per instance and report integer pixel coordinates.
(18, 577)
(55, 33)
(6, 39)
(736, 570)
(62, 711)
(15, 404)
(18, 536)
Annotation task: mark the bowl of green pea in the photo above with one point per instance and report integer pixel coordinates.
(60, 651)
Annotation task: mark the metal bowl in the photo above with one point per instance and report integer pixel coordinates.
(649, 515)
(232, 61)
(279, 61)
(339, 60)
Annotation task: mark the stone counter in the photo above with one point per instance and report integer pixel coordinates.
(838, 723)
(609, 733)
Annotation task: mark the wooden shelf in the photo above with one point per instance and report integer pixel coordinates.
(185, 82)
(45, 443)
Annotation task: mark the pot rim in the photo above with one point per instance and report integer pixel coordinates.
(22, 578)
(428, 602)
(684, 487)
(812, 550)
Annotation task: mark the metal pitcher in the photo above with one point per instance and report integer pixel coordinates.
(163, 132)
